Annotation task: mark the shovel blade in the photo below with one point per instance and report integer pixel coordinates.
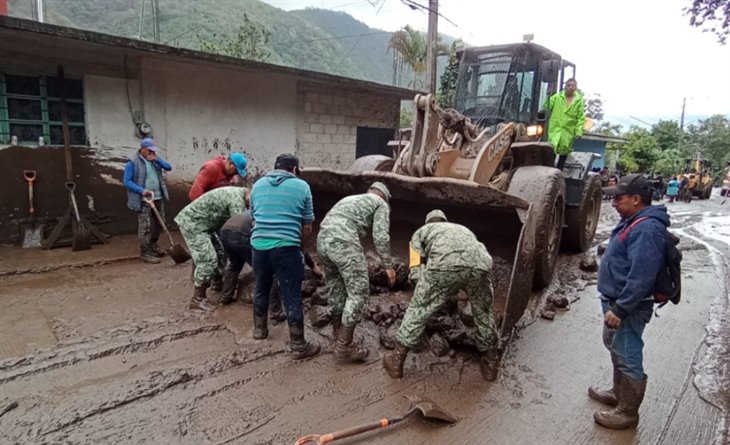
(32, 237)
(81, 238)
(429, 410)
(178, 253)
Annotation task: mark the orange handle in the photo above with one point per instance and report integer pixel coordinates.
(331, 437)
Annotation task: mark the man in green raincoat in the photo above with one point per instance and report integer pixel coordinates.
(567, 118)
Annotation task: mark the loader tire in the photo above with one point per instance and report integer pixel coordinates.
(544, 188)
(581, 221)
(371, 163)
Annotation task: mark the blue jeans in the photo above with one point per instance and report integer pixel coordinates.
(625, 343)
(287, 264)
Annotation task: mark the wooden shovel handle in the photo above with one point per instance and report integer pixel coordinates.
(341, 434)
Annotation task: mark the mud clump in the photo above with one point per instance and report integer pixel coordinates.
(379, 279)
(439, 345)
(319, 316)
(588, 263)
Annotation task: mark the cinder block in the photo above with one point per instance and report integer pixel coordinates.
(330, 129)
(319, 108)
(307, 107)
(316, 128)
(324, 138)
(339, 100)
(338, 119)
(309, 137)
(325, 99)
(325, 119)
(311, 97)
(343, 129)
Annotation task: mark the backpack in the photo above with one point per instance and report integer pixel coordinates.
(668, 284)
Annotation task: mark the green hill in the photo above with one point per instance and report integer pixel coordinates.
(312, 39)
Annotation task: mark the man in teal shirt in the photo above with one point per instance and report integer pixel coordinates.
(567, 118)
(281, 206)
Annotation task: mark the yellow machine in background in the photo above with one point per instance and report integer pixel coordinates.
(700, 174)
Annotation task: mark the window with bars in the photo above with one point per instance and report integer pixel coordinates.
(30, 107)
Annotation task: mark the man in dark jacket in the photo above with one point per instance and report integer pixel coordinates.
(143, 178)
(628, 271)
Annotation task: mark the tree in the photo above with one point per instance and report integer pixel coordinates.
(250, 42)
(640, 152)
(712, 137)
(594, 106)
(450, 77)
(667, 134)
(712, 16)
(410, 47)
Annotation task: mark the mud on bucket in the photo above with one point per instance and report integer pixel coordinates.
(178, 253)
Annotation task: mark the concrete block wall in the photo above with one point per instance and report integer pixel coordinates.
(327, 130)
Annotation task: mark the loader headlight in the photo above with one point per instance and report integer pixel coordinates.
(534, 130)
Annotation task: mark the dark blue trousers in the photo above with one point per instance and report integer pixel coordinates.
(287, 264)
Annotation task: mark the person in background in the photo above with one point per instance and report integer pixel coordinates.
(218, 172)
(672, 189)
(144, 178)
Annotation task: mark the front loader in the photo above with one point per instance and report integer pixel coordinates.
(487, 167)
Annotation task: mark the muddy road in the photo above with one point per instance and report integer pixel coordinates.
(107, 354)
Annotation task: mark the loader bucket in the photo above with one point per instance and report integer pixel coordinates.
(501, 221)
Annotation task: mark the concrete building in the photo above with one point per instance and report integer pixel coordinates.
(197, 105)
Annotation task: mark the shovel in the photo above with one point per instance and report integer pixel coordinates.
(81, 235)
(419, 405)
(33, 235)
(177, 252)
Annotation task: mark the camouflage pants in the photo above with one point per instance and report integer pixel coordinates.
(346, 277)
(433, 290)
(148, 227)
(203, 252)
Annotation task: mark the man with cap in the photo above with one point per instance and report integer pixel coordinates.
(197, 221)
(281, 207)
(218, 172)
(626, 277)
(343, 259)
(446, 258)
(143, 178)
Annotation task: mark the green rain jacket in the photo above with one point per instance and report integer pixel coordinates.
(566, 122)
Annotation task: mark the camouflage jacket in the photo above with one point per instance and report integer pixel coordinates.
(446, 246)
(351, 218)
(211, 210)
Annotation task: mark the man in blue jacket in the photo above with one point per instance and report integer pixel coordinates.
(281, 206)
(143, 178)
(628, 271)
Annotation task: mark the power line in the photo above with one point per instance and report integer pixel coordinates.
(413, 5)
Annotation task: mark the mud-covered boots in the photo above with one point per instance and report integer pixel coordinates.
(216, 283)
(228, 291)
(626, 413)
(393, 360)
(156, 251)
(607, 396)
(344, 349)
(300, 348)
(260, 327)
(146, 255)
(199, 300)
(489, 364)
(336, 325)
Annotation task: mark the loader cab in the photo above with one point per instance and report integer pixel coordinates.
(508, 83)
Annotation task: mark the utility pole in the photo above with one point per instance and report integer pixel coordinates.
(433, 11)
(681, 125)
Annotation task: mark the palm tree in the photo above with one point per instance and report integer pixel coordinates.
(410, 47)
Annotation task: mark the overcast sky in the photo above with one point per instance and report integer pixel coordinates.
(640, 55)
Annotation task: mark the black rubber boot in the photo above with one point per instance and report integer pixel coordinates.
(276, 311)
(626, 413)
(146, 255)
(260, 328)
(336, 324)
(156, 251)
(489, 364)
(344, 349)
(300, 348)
(199, 300)
(607, 396)
(228, 291)
(393, 360)
(216, 283)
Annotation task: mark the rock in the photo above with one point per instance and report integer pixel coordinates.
(547, 314)
(439, 345)
(588, 263)
(309, 287)
(452, 353)
(319, 316)
(465, 314)
(601, 249)
(386, 336)
(319, 297)
(560, 301)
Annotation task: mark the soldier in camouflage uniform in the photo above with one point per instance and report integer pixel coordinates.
(197, 221)
(447, 258)
(345, 266)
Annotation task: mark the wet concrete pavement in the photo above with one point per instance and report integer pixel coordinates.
(108, 354)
